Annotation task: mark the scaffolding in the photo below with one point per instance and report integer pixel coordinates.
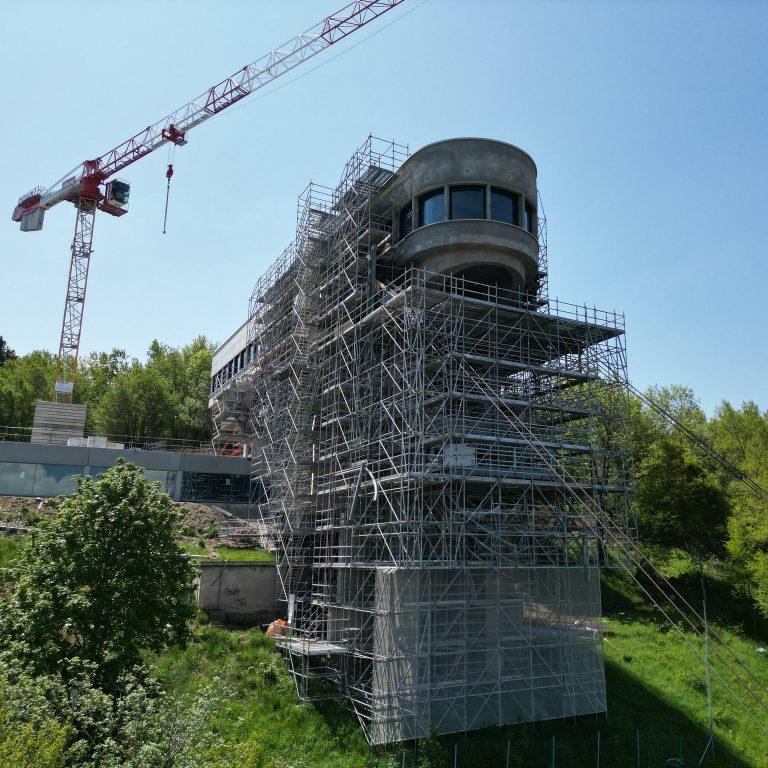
(416, 440)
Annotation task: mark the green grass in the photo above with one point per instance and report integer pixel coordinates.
(232, 554)
(10, 548)
(655, 686)
(262, 706)
(644, 652)
(655, 683)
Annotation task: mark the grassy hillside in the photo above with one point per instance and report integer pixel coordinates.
(262, 713)
(656, 688)
(10, 546)
(643, 653)
(656, 692)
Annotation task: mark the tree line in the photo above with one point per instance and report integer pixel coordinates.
(684, 500)
(165, 396)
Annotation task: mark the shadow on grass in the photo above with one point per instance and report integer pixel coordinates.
(638, 720)
(641, 729)
(726, 607)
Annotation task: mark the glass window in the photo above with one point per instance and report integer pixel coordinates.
(406, 220)
(55, 479)
(167, 478)
(505, 206)
(530, 218)
(16, 479)
(207, 486)
(432, 207)
(468, 202)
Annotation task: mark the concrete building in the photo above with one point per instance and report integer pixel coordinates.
(34, 469)
(440, 455)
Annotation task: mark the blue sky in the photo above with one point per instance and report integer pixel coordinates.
(647, 121)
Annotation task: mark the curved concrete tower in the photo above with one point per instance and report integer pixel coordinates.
(467, 207)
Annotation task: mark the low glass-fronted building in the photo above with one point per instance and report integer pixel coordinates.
(29, 469)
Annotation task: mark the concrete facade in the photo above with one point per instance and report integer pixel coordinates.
(175, 464)
(454, 245)
(238, 592)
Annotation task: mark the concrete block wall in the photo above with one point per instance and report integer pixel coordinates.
(244, 593)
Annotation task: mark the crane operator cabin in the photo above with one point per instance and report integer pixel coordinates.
(433, 455)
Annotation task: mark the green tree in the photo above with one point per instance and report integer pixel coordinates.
(6, 353)
(96, 373)
(30, 745)
(748, 544)
(102, 582)
(22, 381)
(165, 397)
(741, 435)
(185, 374)
(47, 721)
(680, 402)
(136, 404)
(680, 504)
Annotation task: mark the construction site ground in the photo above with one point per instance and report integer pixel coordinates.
(207, 531)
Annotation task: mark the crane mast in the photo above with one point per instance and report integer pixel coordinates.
(88, 185)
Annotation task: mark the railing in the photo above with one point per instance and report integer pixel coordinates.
(128, 442)
(32, 193)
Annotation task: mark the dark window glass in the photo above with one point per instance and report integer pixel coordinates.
(406, 220)
(432, 207)
(468, 202)
(205, 486)
(505, 206)
(530, 218)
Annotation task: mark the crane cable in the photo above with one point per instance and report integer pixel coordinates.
(168, 175)
(699, 441)
(636, 557)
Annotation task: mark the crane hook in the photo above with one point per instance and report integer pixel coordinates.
(168, 175)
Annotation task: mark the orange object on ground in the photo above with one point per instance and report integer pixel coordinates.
(276, 628)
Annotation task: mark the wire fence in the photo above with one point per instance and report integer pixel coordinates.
(593, 750)
(53, 435)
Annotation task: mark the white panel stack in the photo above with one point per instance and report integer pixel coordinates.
(57, 422)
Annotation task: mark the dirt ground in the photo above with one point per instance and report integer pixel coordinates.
(201, 524)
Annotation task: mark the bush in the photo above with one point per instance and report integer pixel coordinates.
(133, 726)
(103, 581)
(31, 745)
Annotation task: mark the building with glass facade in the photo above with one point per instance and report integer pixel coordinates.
(30, 469)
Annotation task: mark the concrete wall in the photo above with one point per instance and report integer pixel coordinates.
(240, 592)
(106, 457)
(233, 345)
(87, 458)
(452, 246)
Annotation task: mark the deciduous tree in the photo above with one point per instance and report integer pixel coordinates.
(103, 581)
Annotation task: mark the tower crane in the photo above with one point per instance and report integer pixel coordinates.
(92, 185)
